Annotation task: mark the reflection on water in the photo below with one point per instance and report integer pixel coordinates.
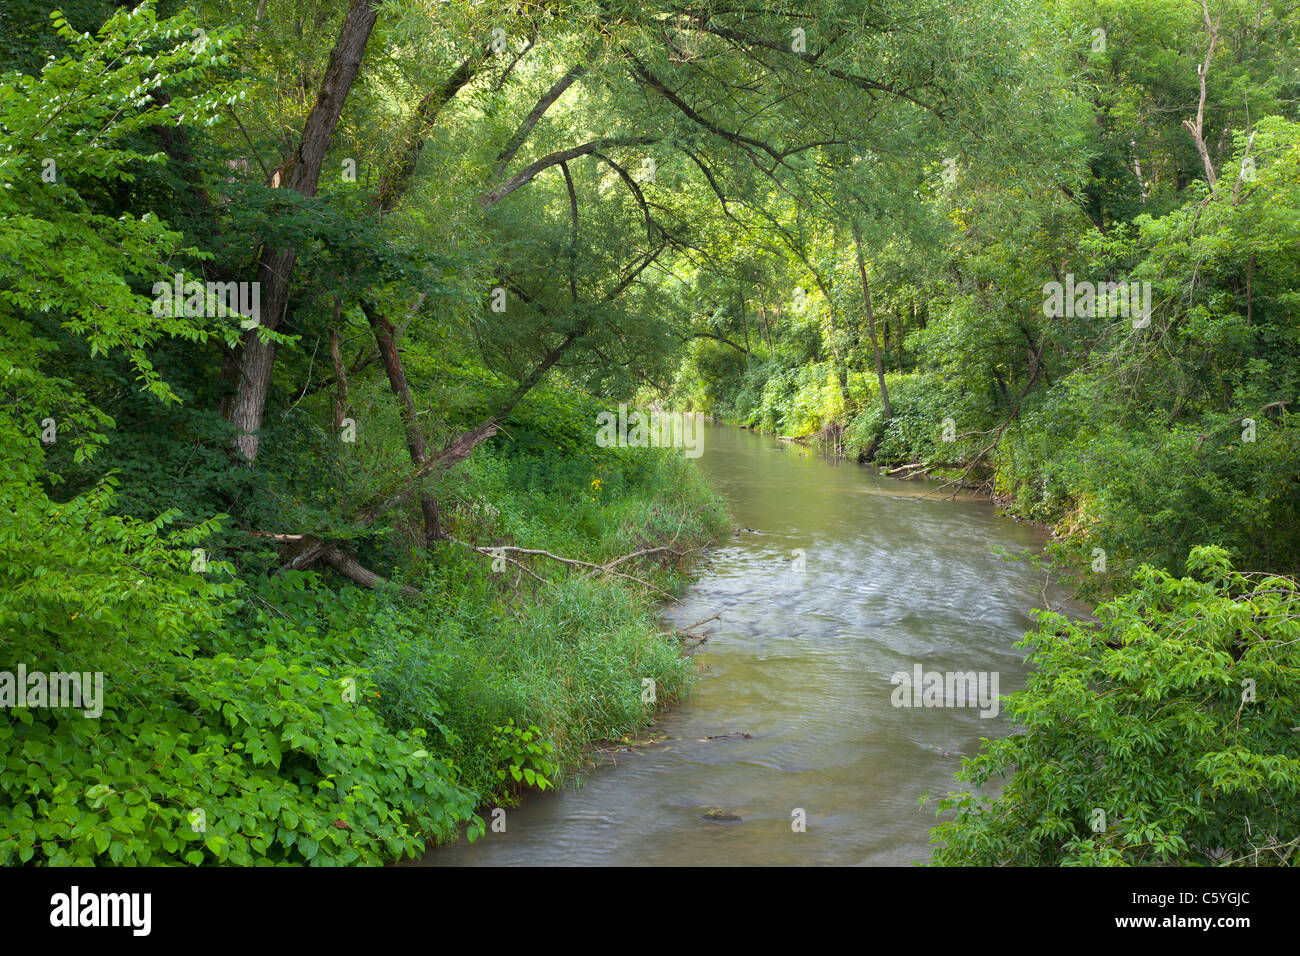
(802, 662)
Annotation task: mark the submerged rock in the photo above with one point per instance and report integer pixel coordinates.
(722, 816)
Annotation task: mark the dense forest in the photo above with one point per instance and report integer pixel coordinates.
(310, 310)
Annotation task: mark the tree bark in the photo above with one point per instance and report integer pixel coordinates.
(744, 324)
(536, 113)
(394, 183)
(491, 197)
(309, 549)
(720, 338)
(353, 570)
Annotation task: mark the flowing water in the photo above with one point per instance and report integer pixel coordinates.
(802, 660)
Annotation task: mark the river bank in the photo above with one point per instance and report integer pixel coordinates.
(567, 649)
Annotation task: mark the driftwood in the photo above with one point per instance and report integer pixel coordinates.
(688, 632)
(915, 468)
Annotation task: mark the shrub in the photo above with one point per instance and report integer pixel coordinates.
(1163, 735)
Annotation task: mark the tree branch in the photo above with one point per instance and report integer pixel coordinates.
(536, 113)
(491, 197)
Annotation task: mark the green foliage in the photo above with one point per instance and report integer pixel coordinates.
(61, 258)
(571, 658)
(1162, 735)
(524, 757)
(202, 715)
(920, 402)
(251, 760)
(309, 725)
(549, 441)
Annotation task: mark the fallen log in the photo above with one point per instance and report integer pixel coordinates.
(352, 569)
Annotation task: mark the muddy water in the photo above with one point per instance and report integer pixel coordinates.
(802, 661)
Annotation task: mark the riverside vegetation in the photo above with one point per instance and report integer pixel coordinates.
(334, 523)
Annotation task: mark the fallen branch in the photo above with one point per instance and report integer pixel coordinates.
(491, 552)
(689, 631)
(312, 549)
(960, 481)
(452, 454)
(499, 551)
(912, 469)
(712, 617)
(344, 563)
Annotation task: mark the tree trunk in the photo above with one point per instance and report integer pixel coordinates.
(744, 324)
(898, 336)
(351, 568)
(301, 172)
(871, 326)
(388, 354)
(1197, 129)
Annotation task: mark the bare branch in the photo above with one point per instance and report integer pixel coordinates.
(1197, 129)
